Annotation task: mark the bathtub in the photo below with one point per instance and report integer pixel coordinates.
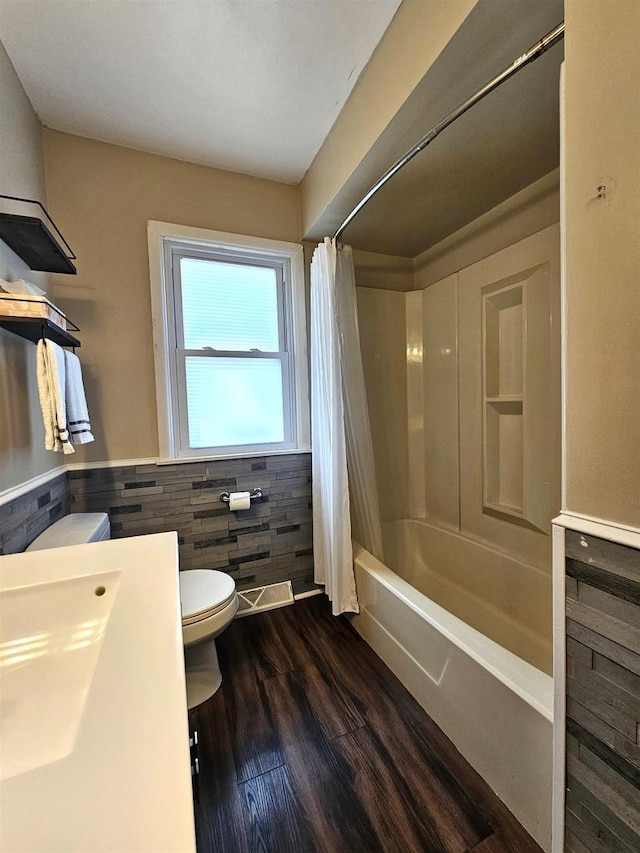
(496, 707)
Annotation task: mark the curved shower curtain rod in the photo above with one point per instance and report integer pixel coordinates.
(533, 53)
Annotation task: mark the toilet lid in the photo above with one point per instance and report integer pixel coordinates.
(203, 592)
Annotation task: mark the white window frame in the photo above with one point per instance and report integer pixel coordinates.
(163, 238)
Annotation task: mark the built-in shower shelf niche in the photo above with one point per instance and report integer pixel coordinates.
(503, 485)
(515, 355)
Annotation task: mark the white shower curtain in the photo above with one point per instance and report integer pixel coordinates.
(340, 429)
(360, 461)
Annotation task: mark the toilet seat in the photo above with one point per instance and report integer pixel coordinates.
(203, 593)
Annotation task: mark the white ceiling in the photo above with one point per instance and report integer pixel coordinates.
(252, 86)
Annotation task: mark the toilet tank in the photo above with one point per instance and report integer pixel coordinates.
(75, 529)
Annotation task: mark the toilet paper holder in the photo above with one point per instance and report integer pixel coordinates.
(225, 497)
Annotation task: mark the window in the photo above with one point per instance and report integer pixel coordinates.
(230, 343)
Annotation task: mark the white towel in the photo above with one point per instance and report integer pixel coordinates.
(77, 413)
(51, 376)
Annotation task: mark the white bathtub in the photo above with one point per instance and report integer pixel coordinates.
(496, 707)
(503, 597)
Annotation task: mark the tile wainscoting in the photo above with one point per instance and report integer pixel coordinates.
(268, 543)
(603, 696)
(27, 516)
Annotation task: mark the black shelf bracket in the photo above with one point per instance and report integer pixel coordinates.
(30, 238)
(34, 329)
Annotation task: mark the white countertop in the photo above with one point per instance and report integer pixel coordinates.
(94, 748)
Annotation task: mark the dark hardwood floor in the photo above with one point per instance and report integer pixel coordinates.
(312, 744)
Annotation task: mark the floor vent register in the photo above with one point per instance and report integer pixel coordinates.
(264, 598)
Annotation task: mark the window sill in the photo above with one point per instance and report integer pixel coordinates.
(217, 458)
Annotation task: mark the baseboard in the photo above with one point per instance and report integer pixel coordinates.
(308, 594)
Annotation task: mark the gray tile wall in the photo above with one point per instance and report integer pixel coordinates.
(268, 543)
(26, 517)
(603, 696)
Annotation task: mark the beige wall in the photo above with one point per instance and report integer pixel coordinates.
(532, 209)
(22, 453)
(411, 44)
(602, 259)
(103, 196)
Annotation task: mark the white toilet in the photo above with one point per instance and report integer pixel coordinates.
(75, 529)
(209, 601)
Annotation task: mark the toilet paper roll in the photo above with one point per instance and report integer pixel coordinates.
(239, 500)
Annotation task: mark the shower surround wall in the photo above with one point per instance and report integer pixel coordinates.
(465, 406)
(381, 318)
(268, 543)
(463, 386)
(421, 324)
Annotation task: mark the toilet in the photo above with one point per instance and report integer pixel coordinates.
(208, 598)
(209, 603)
(75, 529)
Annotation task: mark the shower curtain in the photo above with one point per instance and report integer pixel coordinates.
(341, 434)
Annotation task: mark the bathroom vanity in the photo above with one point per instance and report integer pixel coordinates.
(94, 744)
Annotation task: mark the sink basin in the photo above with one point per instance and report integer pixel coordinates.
(51, 636)
(90, 648)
